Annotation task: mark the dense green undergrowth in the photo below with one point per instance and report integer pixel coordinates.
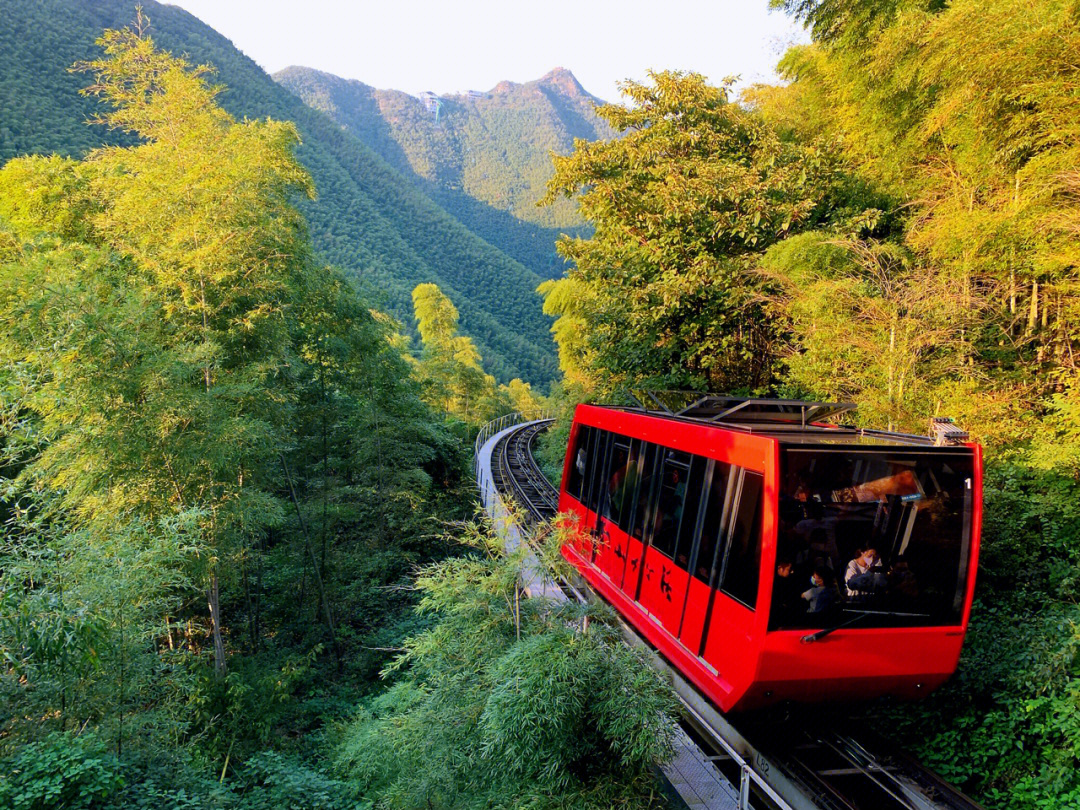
(507, 701)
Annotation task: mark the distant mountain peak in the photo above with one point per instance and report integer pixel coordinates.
(564, 80)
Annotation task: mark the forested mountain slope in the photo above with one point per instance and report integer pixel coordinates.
(495, 145)
(367, 219)
(485, 158)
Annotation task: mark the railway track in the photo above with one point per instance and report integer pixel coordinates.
(773, 760)
(519, 474)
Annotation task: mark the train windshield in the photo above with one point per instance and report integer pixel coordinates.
(883, 532)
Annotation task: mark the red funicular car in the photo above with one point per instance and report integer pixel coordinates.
(772, 556)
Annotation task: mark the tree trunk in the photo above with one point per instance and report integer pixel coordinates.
(1012, 289)
(892, 371)
(258, 594)
(122, 683)
(213, 600)
(379, 455)
(249, 605)
(325, 470)
(1033, 311)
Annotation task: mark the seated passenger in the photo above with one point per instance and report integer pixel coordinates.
(786, 590)
(822, 595)
(864, 574)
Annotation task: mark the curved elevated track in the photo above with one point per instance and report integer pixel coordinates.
(779, 761)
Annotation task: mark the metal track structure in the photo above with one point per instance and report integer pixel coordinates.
(773, 762)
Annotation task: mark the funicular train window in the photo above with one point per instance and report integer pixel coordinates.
(742, 567)
(715, 497)
(647, 490)
(595, 465)
(688, 526)
(623, 472)
(670, 501)
(887, 529)
(579, 463)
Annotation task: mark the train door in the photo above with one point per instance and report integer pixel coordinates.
(730, 619)
(707, 554)
(617, 506)
(662, 590)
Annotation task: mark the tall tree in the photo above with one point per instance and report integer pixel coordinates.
(681, 203)
(963, 113)
(450, 367)
(147, 323)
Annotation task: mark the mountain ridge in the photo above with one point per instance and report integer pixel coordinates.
(492, 146)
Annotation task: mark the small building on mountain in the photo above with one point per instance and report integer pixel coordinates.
(430, 101)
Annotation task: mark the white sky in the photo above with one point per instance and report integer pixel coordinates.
(447, 46)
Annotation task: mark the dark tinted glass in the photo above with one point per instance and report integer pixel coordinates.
(615, 474)
(689, 527)
(622, 482)
(650, 478)
(911, 508)
(579, 462)
(595, 467)
(743, 565)
(671, 498)
(705, 557)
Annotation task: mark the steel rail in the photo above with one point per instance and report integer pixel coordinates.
(810, 765)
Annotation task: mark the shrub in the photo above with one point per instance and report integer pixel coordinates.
(64, 770)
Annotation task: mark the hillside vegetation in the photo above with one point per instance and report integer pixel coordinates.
(380, 230)
(495, 146)
(486, 158)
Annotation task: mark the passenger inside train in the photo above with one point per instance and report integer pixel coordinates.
(787, 589)
(822, 595)
(864, 575)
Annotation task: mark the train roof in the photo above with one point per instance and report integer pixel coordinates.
(790, 421)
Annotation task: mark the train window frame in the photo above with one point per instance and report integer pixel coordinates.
(735, 510)
(709, 497)
(596, 463)
(918, 595)
(700, 468)
(632, 466)
(664, 461)
(642, 517)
